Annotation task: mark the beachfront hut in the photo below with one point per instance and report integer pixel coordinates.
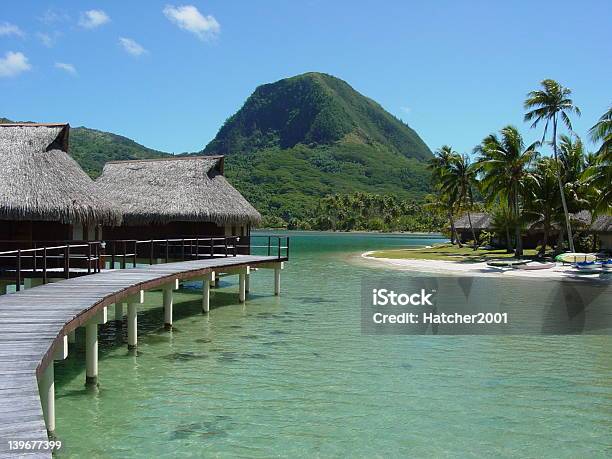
(175, 198)
(602, 229)
(481, 221)
(44, 194)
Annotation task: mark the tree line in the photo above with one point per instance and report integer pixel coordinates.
(520, 186)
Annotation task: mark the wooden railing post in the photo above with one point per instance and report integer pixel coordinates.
(167, 253)
(212, 248)
(135, 253)
(151, 252)
(183, 248)
(67, 262)
(124, 259)
(18, 283)
(113, 256)
(44, 265)
(269, 244)
(88, 258)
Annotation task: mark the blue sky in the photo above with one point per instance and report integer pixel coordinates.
(168, 74)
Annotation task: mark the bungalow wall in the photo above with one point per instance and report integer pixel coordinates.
(605, 241)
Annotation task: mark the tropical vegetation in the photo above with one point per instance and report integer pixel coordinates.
(522, 187)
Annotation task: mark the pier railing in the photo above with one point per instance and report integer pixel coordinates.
(52, 259)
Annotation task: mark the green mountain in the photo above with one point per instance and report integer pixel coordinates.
(92, 148)
(301, 138)
(294, 142)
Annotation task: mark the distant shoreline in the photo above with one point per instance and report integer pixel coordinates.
(481, 269)
(413, 233)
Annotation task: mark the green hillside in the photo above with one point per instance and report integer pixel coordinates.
(301, 138)
(294, 142)
(92, 148)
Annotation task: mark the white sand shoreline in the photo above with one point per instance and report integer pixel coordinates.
(559, 272)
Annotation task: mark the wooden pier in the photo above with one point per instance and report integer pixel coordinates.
(36, 325)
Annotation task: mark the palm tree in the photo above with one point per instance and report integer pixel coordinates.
(543, 205)
(548, 105)
(459, 181)
(439, 166)
(504, 164)
(602, 132)
(598, 176)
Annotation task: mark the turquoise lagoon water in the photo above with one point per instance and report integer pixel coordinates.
(294, 377)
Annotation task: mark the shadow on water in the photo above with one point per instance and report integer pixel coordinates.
(217, 427)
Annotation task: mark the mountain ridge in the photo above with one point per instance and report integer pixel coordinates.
(294, 142)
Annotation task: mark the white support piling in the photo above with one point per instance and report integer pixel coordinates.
(168, 302)
(91, 354)
(242, 275)
(132, 318)
(206, 281)
(247, 282)
(46, 386)
(46, 389)
(91, 347)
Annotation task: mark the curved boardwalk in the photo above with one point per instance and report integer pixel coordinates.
(33, 325)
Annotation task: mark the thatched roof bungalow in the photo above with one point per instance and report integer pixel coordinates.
(175, 197)
(44, 194)
(601, 226)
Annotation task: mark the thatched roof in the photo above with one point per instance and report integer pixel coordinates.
(175, 189)
(602, 224)
(40, 181)
(582, 219)
(480, 221)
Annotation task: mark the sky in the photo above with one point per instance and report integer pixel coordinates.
(169, 74)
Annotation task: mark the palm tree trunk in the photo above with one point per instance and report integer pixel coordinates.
(472, 230)
(519, 240)
(508, 240)
(565, 211)
(545, 242)
(452, 226)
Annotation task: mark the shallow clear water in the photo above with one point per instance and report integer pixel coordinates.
(293, 376)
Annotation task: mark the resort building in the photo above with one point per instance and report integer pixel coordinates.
(44, 193)
(533, 236)
(602, 229)
(175, 197)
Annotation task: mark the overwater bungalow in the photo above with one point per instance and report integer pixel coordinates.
(44, 193)
(46, 199)
(175, 198)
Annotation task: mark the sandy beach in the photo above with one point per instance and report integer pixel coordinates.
(560, 271)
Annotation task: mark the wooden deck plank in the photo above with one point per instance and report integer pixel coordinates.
(32, 319)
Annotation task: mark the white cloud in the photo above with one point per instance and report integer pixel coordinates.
(7, 29)
(93, 18)
(132, 47)
(46, 39)
(187, 17)
(12, 64)
(52, 16)
(68, 68)
(406, 110)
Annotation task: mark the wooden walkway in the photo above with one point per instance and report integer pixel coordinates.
(33, 324)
